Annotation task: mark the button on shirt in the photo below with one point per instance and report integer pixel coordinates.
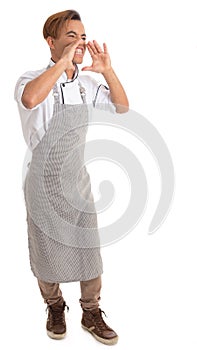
(35, 121)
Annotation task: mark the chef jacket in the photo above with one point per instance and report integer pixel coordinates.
(35, 121)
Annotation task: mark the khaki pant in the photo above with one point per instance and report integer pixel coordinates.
(90, 293)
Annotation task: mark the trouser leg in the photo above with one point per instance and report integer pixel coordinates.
(50, 292)
(90, 293)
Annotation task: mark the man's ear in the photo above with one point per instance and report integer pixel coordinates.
(50, 42)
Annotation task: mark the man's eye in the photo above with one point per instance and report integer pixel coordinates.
(71, 36)
(83, 38)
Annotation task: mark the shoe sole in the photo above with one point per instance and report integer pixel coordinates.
(112, 341)
(56, 335)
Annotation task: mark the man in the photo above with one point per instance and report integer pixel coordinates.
(50, 101)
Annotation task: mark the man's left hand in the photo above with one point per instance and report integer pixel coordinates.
(101, 62)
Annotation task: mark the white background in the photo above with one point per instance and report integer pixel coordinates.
(149, 282)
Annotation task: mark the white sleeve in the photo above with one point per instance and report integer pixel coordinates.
(34, 121)
(20, 86)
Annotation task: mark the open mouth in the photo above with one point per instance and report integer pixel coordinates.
(79, 51)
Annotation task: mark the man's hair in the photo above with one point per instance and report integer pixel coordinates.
(54, 23)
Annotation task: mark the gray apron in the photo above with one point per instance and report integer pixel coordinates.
(63, 236)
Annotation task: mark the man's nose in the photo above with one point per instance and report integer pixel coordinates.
(80, 38)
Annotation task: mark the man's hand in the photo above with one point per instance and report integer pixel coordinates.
(101, 62)
(69, 52)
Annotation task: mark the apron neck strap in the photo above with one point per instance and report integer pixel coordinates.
(56, 95)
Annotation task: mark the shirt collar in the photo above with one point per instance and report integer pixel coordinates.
(63, 78)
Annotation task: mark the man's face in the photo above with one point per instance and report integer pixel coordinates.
(71, 31)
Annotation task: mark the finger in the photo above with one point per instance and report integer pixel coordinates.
(78, 41)
(97, 46)
(92, 47)
(90, 50)
(105, 48)
(71, 47)
(75, 43)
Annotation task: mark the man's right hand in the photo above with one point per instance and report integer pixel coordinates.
(69, 52)
(38, 89)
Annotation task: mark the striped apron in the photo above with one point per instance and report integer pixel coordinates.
(62, 227)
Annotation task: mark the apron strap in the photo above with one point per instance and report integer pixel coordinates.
(82, 92)
(56, 95)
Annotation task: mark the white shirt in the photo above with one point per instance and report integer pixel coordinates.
(35, 121)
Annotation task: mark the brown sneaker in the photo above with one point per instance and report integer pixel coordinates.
(93, 322)
(56, 325)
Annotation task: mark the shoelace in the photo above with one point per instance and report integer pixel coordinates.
(57, 313)
(100, 323)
